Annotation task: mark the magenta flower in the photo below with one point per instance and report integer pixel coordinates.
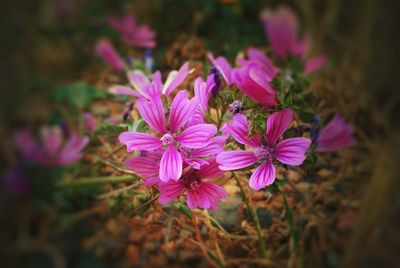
(201, 192)
(290, 151)
(257, 57)
(223, 66)
(132, 33)
(144, 88)
(336, 135)
(105, 50)
(281, 28)
(169, 137)
(53, 150)
(254, 81)
(90, 121)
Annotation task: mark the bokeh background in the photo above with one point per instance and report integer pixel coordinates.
(46, 45)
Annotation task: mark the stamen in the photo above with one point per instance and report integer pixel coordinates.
(262, 153)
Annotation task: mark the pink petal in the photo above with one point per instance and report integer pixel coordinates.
(292, 151)
(206, 196)
(232, 160)
(89, 121)
(71, 152)
(210, 171)
(223, 67)
(123, 90)
(239, 130)
(171, 164)
(155, 89)
(27, 145)
(215, 147)
(197, 136)
(336, 135)
(314, 64)
(152, 111)
(146, 166)
(169, 191)
(263, 176)
(139, 141)
(140, 82)
(277, 123)
(52, 139)
(175, 78)
(181, 110)
(253, 89)
(108, 54)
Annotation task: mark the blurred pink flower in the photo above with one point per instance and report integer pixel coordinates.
(169, 136)
(290, 151)
(336, 135)
(90, 121)
(201, 192)
(53, 151)
(144, 88)
(105, 50)
(281, 28)
(132, 33)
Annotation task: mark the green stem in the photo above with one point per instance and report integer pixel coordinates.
(254, 217)
(96, 180)
(289, 216)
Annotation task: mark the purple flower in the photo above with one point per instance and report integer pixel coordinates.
(105, 50)
(257, 57)
(169, 136)
(217, 81)
(289, 151)
(223, 67)
(235, 107)
(53, 150)
(132, 33)
(144, 88)
(336, 135)
(201, 192)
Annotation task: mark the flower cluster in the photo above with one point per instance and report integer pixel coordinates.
(183, 153)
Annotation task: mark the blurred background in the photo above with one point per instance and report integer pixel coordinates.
(47, 50)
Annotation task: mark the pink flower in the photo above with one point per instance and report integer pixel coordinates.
(132, 33)
(109, 55)
(201, 192)
(254, 81)
(53, 150)
(336, 135)
(289, 151)
(90, 121)
(223, 66)
(144, 88)
(257, 57)
(169, 136)
(281, 28)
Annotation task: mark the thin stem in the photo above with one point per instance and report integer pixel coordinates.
(96, 180)
(254, 217)
(289, 216)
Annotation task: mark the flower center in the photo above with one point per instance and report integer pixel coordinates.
(167, 139)
(262, 153)
(194, 185)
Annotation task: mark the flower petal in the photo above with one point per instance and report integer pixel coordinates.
(169, 191)
(197, 136)
(71, 152)
(123, 90)
(105, 50)
(314, 64)
(263, 176)
(239, 130)
(171, 164)
(145, 166)
(140, 82)
(215, 147)
(181, 110)
(277, 123)
(139, 141)
(223, 67)
(175, 78)
(152, 112)
(206, 196)
(27, 145)
(52, 139)
(233, 160)
(210, 171)
(292, 151)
